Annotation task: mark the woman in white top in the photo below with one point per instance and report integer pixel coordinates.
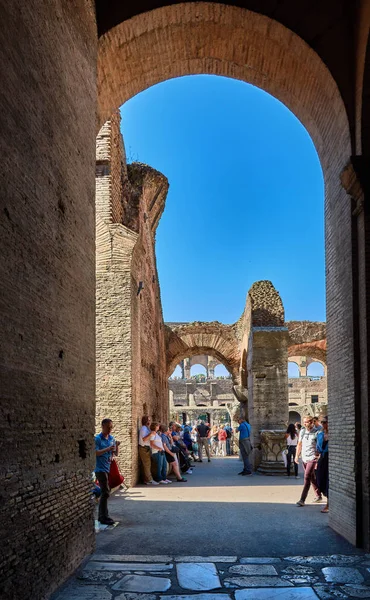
(158, 456)
(292, 441)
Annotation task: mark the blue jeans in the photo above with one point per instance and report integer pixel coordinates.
(161, 466)
(228, 447)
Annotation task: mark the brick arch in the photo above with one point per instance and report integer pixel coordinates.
(315, 350)
(215, 340)
(209, 38)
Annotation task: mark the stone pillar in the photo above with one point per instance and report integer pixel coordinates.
(303, 367)
(187, 368)
(267, 365)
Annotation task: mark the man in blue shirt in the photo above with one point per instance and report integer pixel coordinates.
(105, 446)
(245, 445)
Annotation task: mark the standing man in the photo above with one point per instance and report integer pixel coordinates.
(144, 451)
(245, 445)
(203, 431)
(229, 433)
(307, 447)
(105, 446)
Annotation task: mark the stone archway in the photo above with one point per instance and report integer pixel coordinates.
(212, 38)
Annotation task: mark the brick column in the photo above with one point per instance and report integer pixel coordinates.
(267, 366)
(356, 181)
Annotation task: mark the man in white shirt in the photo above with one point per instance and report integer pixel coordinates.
(144, 451)
(307, 447)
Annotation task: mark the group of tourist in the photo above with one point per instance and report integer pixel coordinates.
(162, 450)
(166, 450)
(311, 443)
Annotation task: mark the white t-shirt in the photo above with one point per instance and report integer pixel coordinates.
(291, 442)
(309, 440)
(157, 439)
(144, 431)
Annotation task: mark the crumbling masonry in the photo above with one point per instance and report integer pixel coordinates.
(136, 351)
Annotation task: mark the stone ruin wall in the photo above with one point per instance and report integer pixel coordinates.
(129, 325)
(149, 376)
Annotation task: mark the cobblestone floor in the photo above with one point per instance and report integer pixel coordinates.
(146, 577)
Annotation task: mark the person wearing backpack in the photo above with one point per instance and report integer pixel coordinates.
(229, 433)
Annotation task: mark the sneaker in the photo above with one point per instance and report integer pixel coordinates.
(300, 503)
(189, 472)
(152, 482)
(317, 499)
(167, 481)
(182, 480)
(247, 473)
(108, 521)
(200, 460)
(163, 482)
(297, 476)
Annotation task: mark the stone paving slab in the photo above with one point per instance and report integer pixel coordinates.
(255, 581)
(197, 576)
(329, 592)
(142, 583)
(253, 570)
(134, 596)
(131, 558)
(207, 559)
(259, 560)
(333, 559)
(342, 575)
(123, 566)
(213, 596)
(282, 594)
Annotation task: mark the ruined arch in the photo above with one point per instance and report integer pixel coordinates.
(314, 350)
(173, 360)
(317, 362)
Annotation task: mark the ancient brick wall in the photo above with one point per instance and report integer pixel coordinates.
(47, 141)
(131, 370)
(149, 374)
(302, 388)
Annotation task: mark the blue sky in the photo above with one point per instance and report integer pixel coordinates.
(245, 202)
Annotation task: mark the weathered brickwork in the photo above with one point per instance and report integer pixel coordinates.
(301, 390)
(131, 370)
(47, 390)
